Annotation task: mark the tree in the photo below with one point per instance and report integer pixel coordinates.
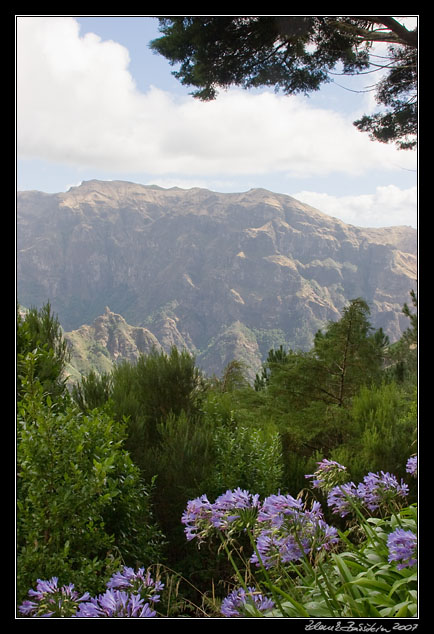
(403, 355)
(410, 334)
(233, 378)
(309, 394)
(297, 54)
(274, 356)
(146, 393)
(349, 352)
(40, 330)
(82, 507)
(92, 391)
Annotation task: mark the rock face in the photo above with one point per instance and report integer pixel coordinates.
(107, 340)
(224, 275)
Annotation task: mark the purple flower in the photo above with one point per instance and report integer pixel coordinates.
(197, 518)
(276, 548)
(379, 489)
(50, 600)
(277, 507)
(289, 531)
(140, 583)
(329, 474)
(411, 467)
(341, 498)
(115, 604)
(402, 547)
(234, 605)
(232, 506)
(232, 510)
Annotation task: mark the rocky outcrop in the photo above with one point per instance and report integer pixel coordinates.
(108, 339)
(223, 275)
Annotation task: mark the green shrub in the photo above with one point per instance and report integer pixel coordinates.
(81, 505)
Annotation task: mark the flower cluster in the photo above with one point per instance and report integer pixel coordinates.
(139, 582)
(377, 491)
(288, 531)
(50, 600)
(233, 510)
(283, 529)
(129, 594)
(115, 604)
(402, 547)
(411, 467)
(237, 603)
(328, 475)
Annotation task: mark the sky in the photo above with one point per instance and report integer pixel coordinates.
(94, 102)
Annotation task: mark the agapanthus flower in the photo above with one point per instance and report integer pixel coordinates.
(288, 531)
(379, 489)
(115, 604)
(277, 507)
(275, 548)
(233, 606)
(329, 474)
(235, 505)
(137, 582)
(342, 497)
(197, 518)
(402, 547)
(233, 510)
(50, 600)
(411, 467)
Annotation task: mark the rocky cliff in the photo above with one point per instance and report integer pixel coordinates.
(223, 275)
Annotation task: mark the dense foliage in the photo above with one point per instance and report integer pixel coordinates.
(296, 53)
(107, 471)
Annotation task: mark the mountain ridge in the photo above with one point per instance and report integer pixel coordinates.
(215, 273)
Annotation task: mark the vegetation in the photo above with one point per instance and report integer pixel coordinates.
(299, 53)
(115, 478)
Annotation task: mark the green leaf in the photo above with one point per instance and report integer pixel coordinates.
(318, 609)
(302, 611)
(368, 608)
(402, 610)
(371, 583)
(401, 582)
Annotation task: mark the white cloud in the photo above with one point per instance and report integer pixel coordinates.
(77, 104)
(387, 207)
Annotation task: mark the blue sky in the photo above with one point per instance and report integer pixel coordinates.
(94, 102)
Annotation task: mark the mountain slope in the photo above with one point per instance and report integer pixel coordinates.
(223, 275)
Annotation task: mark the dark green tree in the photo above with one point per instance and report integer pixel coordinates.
(233, 378)
(297, 54)
(40, 331)
(92, 391)
(147, 392)
(349, 353)
(410, 334)
(346, 355)
(403, 355)
(274, 357)
(310, 394)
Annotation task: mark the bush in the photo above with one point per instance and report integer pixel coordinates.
(81, 505)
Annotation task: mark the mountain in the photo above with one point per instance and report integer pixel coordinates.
(224, 275)
(108, 339)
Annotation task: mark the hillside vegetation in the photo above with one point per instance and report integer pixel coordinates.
(298, 486)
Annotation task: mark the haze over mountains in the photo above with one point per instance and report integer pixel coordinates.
(127, 267)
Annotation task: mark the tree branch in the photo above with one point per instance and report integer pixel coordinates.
(406, 36)
(396, 32)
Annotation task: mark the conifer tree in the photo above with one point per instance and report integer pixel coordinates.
(39, 331)
(349, 352)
